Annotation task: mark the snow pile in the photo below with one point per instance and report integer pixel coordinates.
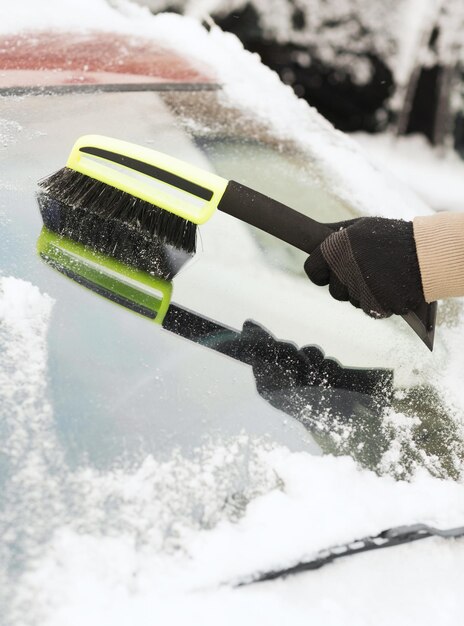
(100, 568)
(24, 317)
(29, 452)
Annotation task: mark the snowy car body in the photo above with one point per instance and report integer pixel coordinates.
(111, 390)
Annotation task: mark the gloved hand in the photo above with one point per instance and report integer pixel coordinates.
(279, 366)
(342, 407)
(372, 262)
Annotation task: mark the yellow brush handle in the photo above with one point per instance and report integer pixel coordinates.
(125, 176)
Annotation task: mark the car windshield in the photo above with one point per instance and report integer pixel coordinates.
(121, 385)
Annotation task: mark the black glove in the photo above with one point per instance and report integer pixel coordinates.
(372, 262)
(342, 407)
(279, 366)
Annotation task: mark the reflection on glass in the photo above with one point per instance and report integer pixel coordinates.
(347, 410)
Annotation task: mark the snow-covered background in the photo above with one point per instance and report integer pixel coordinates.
(124, 546)
(345, 33)
(345, 36)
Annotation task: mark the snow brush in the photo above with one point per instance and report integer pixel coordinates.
(124, 199)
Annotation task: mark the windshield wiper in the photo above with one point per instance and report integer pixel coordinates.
(386, 539)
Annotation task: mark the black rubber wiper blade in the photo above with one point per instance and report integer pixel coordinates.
(388, 538)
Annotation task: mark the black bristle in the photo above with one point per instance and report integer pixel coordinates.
(124, 214)
(111, 237)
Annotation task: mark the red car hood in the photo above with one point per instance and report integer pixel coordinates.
(51, 59)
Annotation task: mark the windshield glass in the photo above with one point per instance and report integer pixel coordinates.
(375, 396)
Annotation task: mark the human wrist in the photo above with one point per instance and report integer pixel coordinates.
(440, 250)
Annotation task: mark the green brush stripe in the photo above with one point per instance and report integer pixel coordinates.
(73, 258)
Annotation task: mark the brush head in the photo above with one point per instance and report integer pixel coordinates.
(136, 191)
(117, 214)
(109, 236)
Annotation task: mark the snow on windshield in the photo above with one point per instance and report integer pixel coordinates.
(155, 540)
(107, 563)
(124, 546)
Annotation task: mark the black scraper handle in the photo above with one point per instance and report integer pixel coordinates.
(273, 217)
(306, 234)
